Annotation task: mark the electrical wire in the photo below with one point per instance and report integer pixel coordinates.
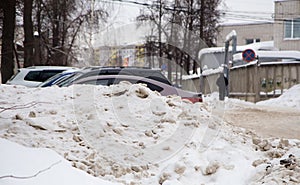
(235, 15)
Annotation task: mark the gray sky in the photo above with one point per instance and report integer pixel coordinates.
(248, 10)
(123, 16)
(236, 11)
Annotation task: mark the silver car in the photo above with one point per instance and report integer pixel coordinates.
(34, 76)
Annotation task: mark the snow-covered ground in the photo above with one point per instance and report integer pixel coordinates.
(127, 134)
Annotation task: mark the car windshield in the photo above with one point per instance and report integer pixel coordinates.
(50, 79)
(56, 79)
(67, 81)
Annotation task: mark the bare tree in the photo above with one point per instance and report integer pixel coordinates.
(198, 19)
(66, 19)
(7, 56)
(56, 24)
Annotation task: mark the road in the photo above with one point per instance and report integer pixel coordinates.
(266, 121)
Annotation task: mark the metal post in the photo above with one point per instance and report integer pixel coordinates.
(230, 37)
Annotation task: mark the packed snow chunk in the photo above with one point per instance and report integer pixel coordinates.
(44, 123)
(114, 90)
(211, 168)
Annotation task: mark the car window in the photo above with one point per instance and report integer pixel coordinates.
(62, 78)
(55, 79)
(41, 76)
(50, 80)
(103, 82)
(33, 76)
(151, 74)
(96, 82)
(47, 74)
(109, 81)
(68, 81)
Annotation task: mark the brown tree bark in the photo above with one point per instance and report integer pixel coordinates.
(28, 30)
(7, 50)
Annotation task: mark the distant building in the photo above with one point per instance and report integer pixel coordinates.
(285, 31)
(247, 33)
(287, 25)
(128, 55)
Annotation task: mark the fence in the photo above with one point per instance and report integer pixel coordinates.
(253, 82)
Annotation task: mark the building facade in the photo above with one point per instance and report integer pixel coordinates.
(285, 30)
(287, 25)
(247, 33)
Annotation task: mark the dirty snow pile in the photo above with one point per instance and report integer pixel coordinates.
(128, 134)
(290, 99)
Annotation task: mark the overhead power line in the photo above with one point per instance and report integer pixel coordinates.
(152, 5)
(235, 15)
(249, 12)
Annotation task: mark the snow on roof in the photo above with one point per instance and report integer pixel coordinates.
(212, 71)
(50, 67)
(192, 76)
(267, 45)
(279, 54)
(245, 23)
(267, 63)
(272, 55)
(189, 77)
(284, 57)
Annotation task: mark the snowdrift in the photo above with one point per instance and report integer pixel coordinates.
(128, 134)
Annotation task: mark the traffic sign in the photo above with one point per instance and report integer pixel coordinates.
(248, 55)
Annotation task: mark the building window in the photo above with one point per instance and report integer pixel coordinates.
(250, 41)
(292, 28)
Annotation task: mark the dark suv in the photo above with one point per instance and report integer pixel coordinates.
(154, 74)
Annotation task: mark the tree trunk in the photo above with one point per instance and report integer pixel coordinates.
(56, 24)
(160, 33)
(56, 45)
(202, 9)
(7, 57)
(38, 44)
(28, 31)
(190, 23)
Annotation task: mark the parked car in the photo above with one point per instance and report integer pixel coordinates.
(154, 74)
(34, 76)
(163, 88)
(58, 78)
